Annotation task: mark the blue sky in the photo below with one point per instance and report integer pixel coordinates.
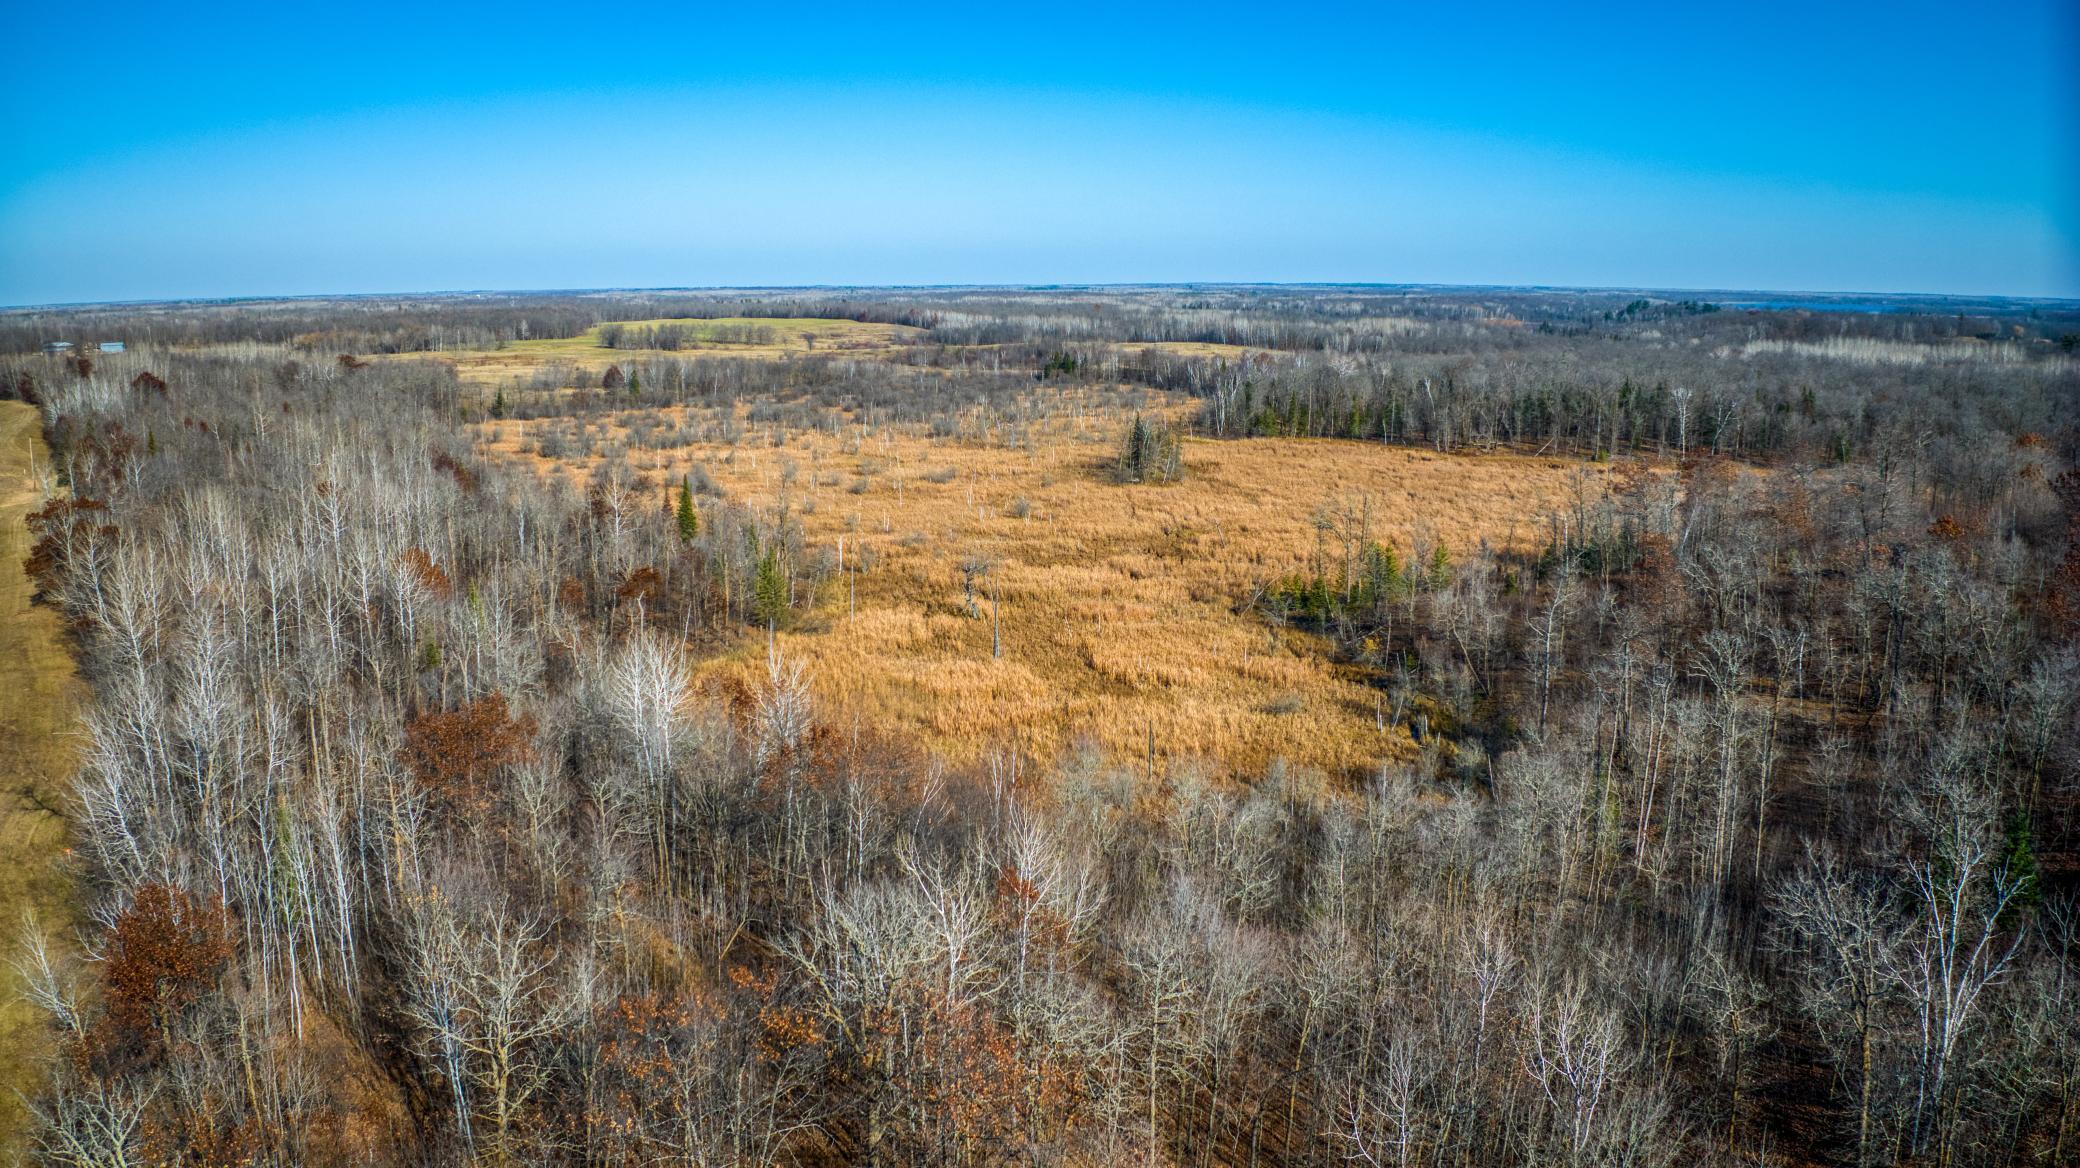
(231, 149)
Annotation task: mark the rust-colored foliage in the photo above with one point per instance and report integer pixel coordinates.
(149, 382)
(571, 594)
(654, 1045)
(782, 1029)
(464, 477)
(1947, 529)
(348, 363)
(971, 1085)
(735, 694)
(115, 444)
(613, 378)
(166, 952)
(427, 573)
(1705, 474)
(455, 752)
(184, 1136)
(82, 366)
(55, 524)
(645, 1046)
(644, 584)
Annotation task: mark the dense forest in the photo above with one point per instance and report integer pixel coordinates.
(1738, 825)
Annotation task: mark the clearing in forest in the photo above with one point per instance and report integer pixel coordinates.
(758, 337)
(38, 693)
(1124, 611)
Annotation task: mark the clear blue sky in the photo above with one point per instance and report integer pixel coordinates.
(154, 150)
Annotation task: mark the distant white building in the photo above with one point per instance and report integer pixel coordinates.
(111, 346)
(57, 346)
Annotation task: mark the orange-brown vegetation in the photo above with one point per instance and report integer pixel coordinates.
(429, 575)
(454, 753)
(166, 952)
(586, 361)
(1125, 611)
(56, 525)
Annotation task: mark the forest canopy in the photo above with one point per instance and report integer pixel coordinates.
(469, 773)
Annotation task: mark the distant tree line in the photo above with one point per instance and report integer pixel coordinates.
(672, 337)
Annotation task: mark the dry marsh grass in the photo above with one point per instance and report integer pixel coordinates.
(1124, 609)
(778, 337)
(1197, 349)
(777, 334)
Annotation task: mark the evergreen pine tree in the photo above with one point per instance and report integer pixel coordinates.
(1133, 454)
(1148, 453)
(769, 589)
(1382, 574)
(689, 519)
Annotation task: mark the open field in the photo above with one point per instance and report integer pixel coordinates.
(1124, 609)
(1213, 349)
(582, 358)
(767, 338)
(742, 334)
(37, 696)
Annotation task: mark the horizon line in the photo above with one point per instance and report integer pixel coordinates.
(430, 294)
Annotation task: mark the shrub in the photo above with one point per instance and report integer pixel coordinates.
(455, 752)
(1149, 452)
(166, 952)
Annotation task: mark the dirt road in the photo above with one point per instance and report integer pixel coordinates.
(39, 693)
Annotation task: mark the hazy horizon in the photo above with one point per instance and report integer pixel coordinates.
(1847, 296)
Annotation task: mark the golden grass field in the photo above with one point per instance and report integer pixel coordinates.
(38, 692)
(1197, 349)
(1123, 608)
(790, 336)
